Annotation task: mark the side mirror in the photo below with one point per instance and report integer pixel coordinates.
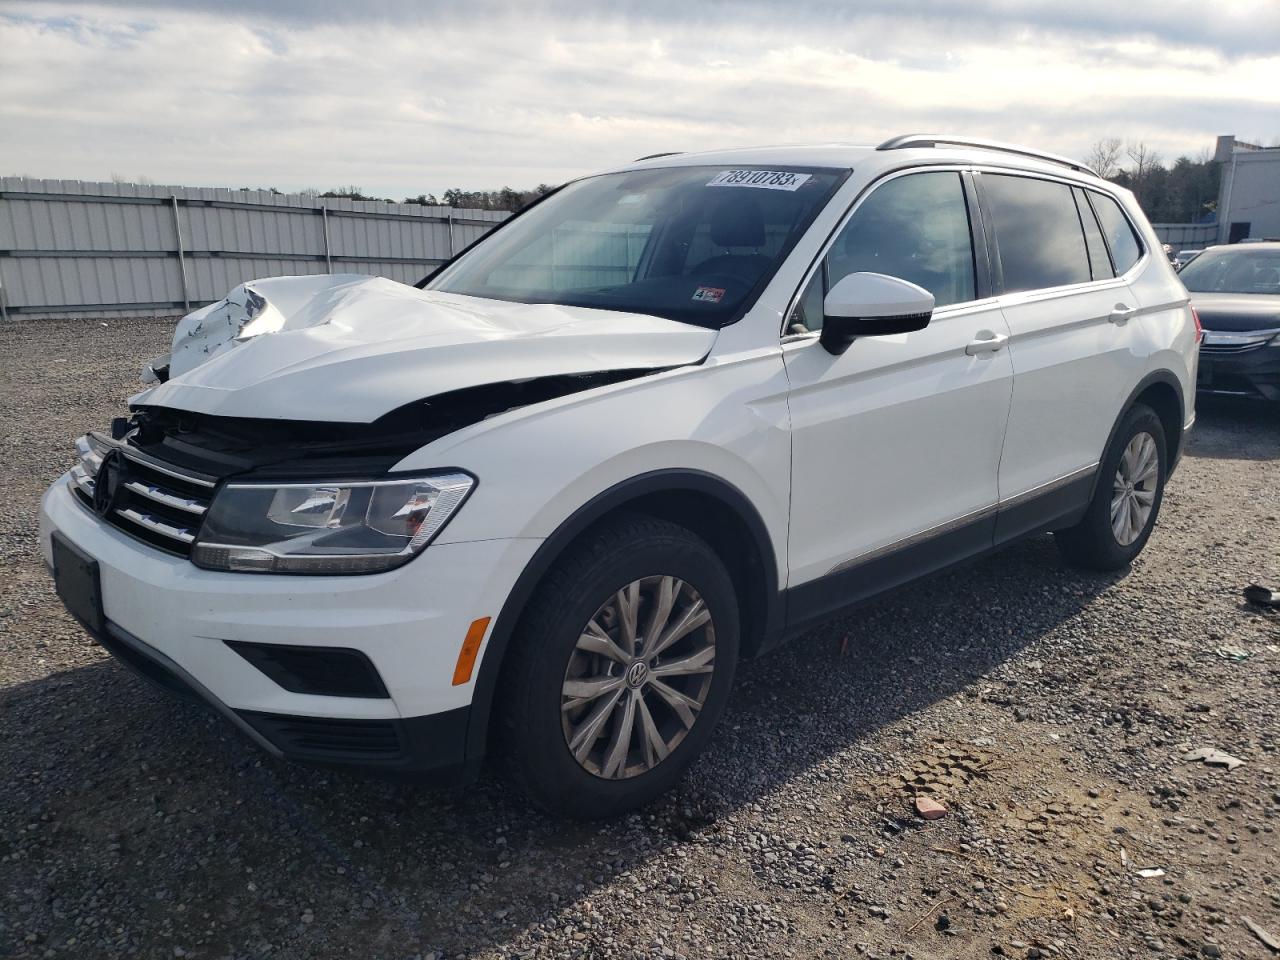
(870, 305)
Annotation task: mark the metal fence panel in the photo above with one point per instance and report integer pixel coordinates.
(90, 249)
(1182, 236)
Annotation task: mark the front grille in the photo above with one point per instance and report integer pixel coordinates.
(155, 502)
(1220, 349)
(1220, 344)
(328, 738)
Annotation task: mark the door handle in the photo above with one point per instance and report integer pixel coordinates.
(1120, 314)
(986, 342)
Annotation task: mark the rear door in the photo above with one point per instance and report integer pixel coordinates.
(1073, 363)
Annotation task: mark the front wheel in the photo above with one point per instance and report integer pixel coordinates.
(1127, 498)
(622, 666)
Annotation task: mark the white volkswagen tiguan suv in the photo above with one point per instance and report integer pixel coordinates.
(660, 421)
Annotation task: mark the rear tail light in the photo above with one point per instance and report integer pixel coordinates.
(1199, 328)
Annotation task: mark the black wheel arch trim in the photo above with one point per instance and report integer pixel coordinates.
(1167, 378)
(614, 498)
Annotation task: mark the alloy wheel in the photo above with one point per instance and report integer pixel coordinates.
(638, 677)
(1134, 493)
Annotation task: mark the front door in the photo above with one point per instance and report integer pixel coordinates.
(895, 443)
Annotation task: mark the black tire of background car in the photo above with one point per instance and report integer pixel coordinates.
(603, 561)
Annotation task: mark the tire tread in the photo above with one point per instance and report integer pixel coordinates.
(604, 544)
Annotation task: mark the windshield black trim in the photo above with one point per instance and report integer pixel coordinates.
(749, 300)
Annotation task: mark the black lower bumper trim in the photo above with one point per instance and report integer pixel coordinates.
(420, 749)
(1253, 374)
(415, 748)
(321, 671)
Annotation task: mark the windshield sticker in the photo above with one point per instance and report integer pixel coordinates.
(761, 179)
(709, 294)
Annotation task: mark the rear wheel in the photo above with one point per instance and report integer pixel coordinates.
(1127, 498)
(621, 668)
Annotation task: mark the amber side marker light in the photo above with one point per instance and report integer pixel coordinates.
(470, 648)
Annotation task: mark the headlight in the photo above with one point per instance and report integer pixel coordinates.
(361, 527)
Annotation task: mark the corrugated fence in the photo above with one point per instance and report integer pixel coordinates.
(1182, 236)
(72, 248)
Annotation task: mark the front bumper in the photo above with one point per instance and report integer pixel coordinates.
(1253, 373)
(173, 623)
(417, 748)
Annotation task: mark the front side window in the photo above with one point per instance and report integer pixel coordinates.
(695, 244)
(914, 227)
(1233, 271)
(1125, 249)
(1038, 232)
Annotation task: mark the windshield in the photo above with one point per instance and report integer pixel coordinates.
(1233, 271)
(694, 244)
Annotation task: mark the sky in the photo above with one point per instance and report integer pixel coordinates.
(413, 96)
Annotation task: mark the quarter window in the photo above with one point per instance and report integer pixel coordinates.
(1099, 261)
(1125, 249)
(1038, 232)
(915, 228)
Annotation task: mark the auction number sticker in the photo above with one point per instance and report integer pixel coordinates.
(760, 179)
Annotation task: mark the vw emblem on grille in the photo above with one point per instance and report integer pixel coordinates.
(106, 485)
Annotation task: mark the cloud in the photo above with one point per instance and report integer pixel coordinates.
(419, 97)
(1235, 28)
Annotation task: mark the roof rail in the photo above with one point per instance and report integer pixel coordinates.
(910, 140)
(655, 156)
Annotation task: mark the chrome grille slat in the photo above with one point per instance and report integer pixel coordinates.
(149, 464)
(177, 502)
(86, 453)
(156, 502)
(82, 481)
(1220, 349)
(183, 535)
(1233, 341)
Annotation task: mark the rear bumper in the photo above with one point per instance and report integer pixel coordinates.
(1254, 373)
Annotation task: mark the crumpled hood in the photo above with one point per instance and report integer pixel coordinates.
(350, 348)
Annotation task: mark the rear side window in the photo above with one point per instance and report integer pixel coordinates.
(1099, 261)
(1125, 249)
(1038, 232)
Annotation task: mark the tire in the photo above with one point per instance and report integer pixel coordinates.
(1098, 542)
(627, 563)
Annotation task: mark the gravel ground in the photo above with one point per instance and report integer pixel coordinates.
(1048, 710)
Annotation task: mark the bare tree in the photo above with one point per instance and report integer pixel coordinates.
(1104, 156)
(1144, 160)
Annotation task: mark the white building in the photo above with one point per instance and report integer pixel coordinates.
(1249, 194)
